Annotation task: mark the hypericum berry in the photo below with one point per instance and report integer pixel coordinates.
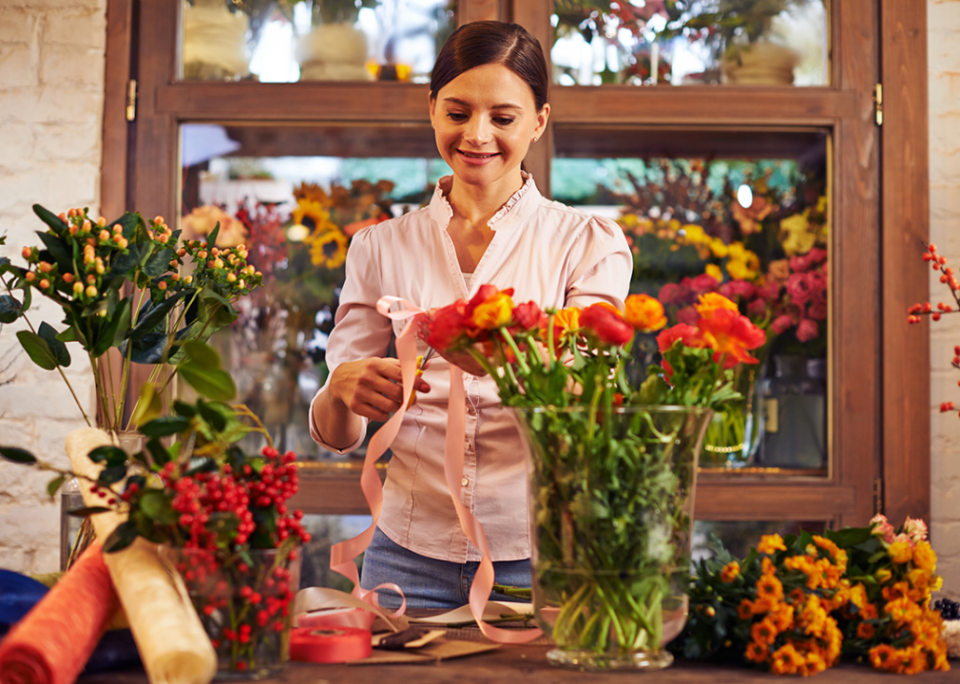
(68, 278)
(31, 276)
(44, 284)
(45, 266)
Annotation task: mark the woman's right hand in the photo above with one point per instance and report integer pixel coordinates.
(372, 388)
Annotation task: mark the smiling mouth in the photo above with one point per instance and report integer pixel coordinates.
(474, 155)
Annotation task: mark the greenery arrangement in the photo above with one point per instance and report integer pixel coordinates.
(221, 515)
(614, 463)
(119, 285)
(798, 604)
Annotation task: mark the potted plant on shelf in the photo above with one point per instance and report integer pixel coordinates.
(613, 464)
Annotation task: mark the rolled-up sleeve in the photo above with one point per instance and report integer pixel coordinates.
(360, 331)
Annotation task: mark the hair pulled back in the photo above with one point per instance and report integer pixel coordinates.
(492, 42)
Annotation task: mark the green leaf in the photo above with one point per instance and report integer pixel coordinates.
(116, 330)
(212, 236)
(58, 348)
(160, 455)
(112, 474)
(124, 263)
(184, 409)
(216, 419)
(149, 350)
(68, 335)
(155, 505)
(152, 316)
(54, 485)
(88, 511)
(202, 355)
(121, 538)
(164, 427)
(109, 455)
(62, 254)
(215, 384)
(17, 455)
(149, 405)
(37, 349)
(10, 309)
(158, 264)
(57, 224)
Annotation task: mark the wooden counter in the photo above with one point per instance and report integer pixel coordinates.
(510, 664)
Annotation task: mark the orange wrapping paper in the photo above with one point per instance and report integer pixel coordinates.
(53, 642)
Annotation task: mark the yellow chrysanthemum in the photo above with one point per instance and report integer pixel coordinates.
(900, 552)
(695, 235)
(730, 572)
(719, 248)
(771, 543)
(924, 557)
(786, 660)
(329, 249)
(770, 588)
(714, 272)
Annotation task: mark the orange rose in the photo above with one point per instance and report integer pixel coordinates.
(731, 335)
(645, 313)
(711, 301)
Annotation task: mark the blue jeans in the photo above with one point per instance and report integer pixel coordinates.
(427, 582)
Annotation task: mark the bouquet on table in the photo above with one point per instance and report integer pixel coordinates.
(797, 604)
(613, 464)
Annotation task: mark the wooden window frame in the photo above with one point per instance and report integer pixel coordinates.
(880, 426)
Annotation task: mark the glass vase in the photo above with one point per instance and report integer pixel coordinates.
(612, 498)
(734, 436)
(244, 600)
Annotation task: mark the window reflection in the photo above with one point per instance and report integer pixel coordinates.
(691, 42)
(751, 226)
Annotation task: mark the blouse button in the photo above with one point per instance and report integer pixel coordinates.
(464, 482)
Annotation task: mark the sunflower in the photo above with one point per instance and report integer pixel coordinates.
(328, 249)
(313, 215)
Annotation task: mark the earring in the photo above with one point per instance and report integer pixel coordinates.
(535, 139)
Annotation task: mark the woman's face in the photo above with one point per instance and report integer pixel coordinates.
(485, 120)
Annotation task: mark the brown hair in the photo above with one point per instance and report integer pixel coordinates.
(492, 42)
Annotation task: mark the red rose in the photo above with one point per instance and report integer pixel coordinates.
(527, 315)
(606, 323)
(445, 326)
(781, 323)
(689, 335)
(798, 287)
(670, 294)
(703, 283)
(807, 329)
(733, 289)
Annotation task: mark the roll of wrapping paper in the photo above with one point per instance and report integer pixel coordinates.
(53, 642)
(173, 645)
(329, 645)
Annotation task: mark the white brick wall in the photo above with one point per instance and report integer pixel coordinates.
(943, 50)
(51, 102)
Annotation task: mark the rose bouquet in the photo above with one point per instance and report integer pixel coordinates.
(613, 463)
(796, 605)
(221, 516)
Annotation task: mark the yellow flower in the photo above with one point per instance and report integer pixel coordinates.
(645, 313)
(313, 215)
(900, 552)
(740, 270)
(711, 301)
(714, 272)
(494, 312)
(770, 543)
(695, 234)
(858, 594)
(730, 572)
(918, 578)
(795, 234)
(757, 651)
(883, 657)
(902, 610)
(718, 248)
(764, 631)
(786, 660)
(782, 616)
(770, 588)
(329, 249)
(883, 575)
(924, 557)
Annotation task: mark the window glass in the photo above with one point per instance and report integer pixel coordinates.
(284, 41)
(743, 214)
(738, 536)
(691, 42)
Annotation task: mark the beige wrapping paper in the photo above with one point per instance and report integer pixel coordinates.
(173, 645)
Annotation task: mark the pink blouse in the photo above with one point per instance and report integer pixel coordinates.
(550, 253)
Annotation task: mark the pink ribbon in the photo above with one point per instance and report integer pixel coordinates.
(342, 555)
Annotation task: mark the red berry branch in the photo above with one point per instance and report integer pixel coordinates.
(916, 312)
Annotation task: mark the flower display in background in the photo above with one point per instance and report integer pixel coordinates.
(200, 222)
(794, 605)
(277, 346)
(916, 312)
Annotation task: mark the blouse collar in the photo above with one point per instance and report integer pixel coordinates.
(521, 203)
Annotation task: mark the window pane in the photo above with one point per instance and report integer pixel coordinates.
(295, 195)
(742, 213)
(302, 40)
(691, 42)
(739, 535)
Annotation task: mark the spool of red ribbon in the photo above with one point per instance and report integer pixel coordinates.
(336, 618)
(329, 645)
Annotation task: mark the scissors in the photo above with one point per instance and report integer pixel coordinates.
(426, 356)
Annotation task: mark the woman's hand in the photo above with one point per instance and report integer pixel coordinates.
(372, 388)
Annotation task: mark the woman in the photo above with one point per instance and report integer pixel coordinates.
(487, 223)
